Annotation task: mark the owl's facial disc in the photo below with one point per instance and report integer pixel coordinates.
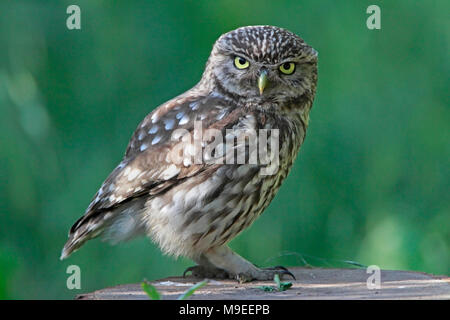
(262, 64)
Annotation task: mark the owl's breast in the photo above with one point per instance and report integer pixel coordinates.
(211, 208)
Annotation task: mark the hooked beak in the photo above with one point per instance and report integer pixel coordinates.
(262, 81)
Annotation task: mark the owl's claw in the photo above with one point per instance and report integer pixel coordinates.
(281, 271)
(189, 269)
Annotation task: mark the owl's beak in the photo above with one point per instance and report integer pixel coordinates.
(262, 81)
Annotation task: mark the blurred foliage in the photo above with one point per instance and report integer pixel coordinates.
(371, 183)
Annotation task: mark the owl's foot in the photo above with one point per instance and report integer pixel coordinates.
(236, 267)
(200, 271)
(264, 274)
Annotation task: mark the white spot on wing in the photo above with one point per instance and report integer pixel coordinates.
(193, 105)
(143, 147)
(184, 120)
(169, 124)
(177, 134)
(133, 174)
(179, 115)
(187, 162)
(156, 140)
(141, 135)
(155, 117)
(170, 172)
(153, 129)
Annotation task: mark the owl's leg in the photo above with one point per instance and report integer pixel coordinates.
(223, 258)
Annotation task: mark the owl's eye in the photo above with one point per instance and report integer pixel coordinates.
(241, 63)
(287, 68)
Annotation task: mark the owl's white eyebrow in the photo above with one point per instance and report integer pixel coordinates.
(233, 55)
(296, 60)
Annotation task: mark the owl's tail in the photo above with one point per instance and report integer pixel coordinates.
(116, 225)
(82, 231)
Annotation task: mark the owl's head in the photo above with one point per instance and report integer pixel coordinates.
(262, 64)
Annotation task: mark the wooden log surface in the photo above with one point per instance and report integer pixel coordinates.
(311, 283)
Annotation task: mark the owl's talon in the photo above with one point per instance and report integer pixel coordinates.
(189, 269)
(281, 271)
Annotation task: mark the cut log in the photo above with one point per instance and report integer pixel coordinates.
(311, 283)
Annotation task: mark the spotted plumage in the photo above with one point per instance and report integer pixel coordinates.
(188, 190)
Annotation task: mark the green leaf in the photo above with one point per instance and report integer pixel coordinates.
(282, 286)
(276, 278)
(150, 291)
(267, 288)
(192, 289)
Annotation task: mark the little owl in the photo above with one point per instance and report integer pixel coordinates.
(257, 78)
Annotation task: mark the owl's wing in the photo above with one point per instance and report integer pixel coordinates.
(152, 162)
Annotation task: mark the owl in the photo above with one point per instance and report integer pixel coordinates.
(192, 177)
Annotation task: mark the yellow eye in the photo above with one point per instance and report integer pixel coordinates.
(287, 68)
(241, 63)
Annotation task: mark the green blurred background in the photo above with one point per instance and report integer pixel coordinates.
(371, 183)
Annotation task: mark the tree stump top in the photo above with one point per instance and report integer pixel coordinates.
(311, 283)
